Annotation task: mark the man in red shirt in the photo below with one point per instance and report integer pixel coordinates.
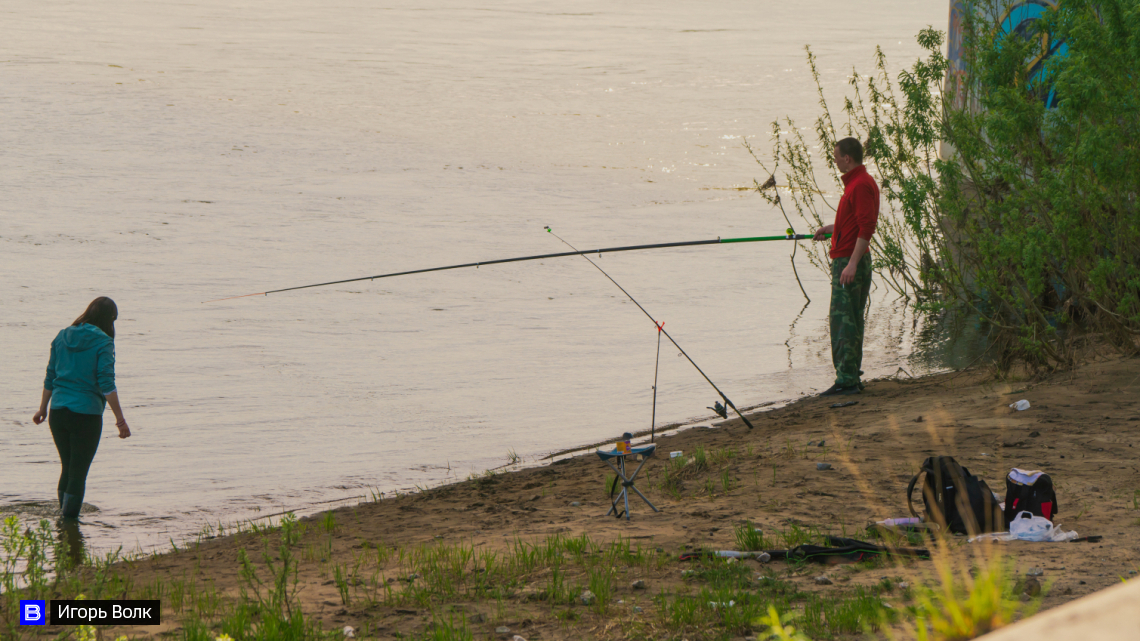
(855, 221)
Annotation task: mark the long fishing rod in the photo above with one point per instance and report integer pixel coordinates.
(661, 329)
(605, 250)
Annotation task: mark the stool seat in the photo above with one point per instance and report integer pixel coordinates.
(646, 450)
(610, 457)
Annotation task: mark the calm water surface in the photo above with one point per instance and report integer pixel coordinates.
(167, 153)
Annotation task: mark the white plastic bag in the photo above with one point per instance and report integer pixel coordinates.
(1021, 405)
(1034, 528)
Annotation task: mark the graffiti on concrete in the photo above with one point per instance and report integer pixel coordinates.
(1018, 17)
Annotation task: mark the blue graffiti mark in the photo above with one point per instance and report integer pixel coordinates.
(1021, 20)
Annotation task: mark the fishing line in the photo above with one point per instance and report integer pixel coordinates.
(653, 421)
(771, 183)
(661, 329)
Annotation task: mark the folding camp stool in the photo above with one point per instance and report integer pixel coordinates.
(646, 453)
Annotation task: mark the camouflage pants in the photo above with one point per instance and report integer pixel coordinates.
(847, 320)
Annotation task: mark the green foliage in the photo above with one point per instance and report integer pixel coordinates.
(850, 615)
(700, 459)
(25, 564)
(268, 607)
(730, 601)
(448, 630)
(727, 482)
(601, 583)
(291, 530)
(751, 539)
(339, 577)
(36, 564)
(748, 538)
(719, 599)
(1030, 218)
(779, 627)
(671, 482)
(610, 484)
(797, 535)
(967, 603)
(721, 455)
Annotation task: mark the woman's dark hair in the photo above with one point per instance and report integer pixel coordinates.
(851, 147)
(101, 313)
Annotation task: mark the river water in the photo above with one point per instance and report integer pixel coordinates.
(166, 154)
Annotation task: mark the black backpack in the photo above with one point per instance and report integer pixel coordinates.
(955, 499)
(1029, 492)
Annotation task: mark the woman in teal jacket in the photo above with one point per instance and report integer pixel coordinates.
(80, 382)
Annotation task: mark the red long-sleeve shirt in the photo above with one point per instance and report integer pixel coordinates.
(857, 214)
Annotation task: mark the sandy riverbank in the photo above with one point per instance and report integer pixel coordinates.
(1083, 429)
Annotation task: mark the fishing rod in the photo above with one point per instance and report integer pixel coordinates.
(605, 250)
(661, 329)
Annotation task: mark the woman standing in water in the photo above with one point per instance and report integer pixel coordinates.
(80, 382)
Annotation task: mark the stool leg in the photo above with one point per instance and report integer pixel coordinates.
(624, 489)
(644, 499)
(619, 470)
(634, 487)
(627, 483)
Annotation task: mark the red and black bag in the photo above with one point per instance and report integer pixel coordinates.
(955, 499)
(1029, 491)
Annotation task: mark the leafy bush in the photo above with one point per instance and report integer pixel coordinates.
(1030, 218)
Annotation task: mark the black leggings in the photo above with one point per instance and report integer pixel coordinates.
(76, 437)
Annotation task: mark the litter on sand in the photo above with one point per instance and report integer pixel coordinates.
(909, 520)
(839, 550)
(732, 554)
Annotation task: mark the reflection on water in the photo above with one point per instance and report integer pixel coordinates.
(954, 339)
(71, 540)
(69, 535)
(36, 510)
(791, 340)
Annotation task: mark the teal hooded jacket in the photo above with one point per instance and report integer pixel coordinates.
(81, 369)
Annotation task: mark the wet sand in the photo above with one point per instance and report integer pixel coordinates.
(1082, 429)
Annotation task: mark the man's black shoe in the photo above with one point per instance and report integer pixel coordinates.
(836, 390)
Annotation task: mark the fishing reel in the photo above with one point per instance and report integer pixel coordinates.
(720, 410)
